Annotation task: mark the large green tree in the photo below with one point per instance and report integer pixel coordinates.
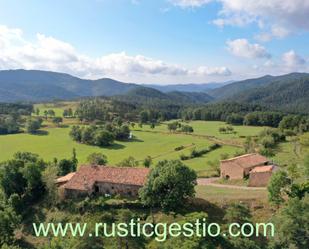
(169, 184)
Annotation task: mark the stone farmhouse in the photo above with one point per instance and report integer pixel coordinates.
(103, 180)
(253, 166)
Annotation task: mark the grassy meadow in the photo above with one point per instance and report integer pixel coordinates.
(159, 143)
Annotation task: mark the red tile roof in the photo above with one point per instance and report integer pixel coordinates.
(87, 176)
(260, 169)
(246, 161)
(65, 178)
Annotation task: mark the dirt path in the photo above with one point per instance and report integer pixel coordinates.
(211, 182)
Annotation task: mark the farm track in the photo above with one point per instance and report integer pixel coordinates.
(211, 182)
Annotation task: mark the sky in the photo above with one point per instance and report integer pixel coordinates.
(159, 41)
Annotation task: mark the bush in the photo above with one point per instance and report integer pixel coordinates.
(179, 148)
(97, 159)
(33, 125)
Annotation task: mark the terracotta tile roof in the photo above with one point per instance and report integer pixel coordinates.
(87, 176)
(246, 161)
(260, 169)
(65, 178)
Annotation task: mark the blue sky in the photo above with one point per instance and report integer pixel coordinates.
(162, 41)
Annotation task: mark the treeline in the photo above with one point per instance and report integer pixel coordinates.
(246, 114)
(103, 109)
(17, 109)
(102, 135)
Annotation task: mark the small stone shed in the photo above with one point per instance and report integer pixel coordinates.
(124, 181)
(260, 176)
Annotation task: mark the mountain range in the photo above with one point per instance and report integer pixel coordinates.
(288, 92)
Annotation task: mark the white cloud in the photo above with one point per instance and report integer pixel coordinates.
(293, 13)
(242, 48)
(293, 60)
(190, 3)
(275, 32)
(212, 71)
(48, 53)
(277, 17)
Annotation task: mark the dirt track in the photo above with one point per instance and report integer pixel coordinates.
(211, 182)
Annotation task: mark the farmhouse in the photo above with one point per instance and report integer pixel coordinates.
(240, 167)
(125, 181)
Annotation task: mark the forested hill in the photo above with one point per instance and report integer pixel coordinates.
(286, 92)
(34, 85)
(149, 95)
(232, 89)
(291, 95)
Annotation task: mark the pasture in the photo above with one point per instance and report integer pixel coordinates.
(157, 143)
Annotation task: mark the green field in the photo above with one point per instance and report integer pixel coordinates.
(157, 143)
(58, 107)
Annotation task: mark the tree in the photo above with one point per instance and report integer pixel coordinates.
(45, 114)
(144, 117)
(103, 138)
(235, 119)
(9, 221)
(122, 133)
(187, 129)
(33, 125)
(57, 120)
(37, 111)
(168, 185)
(128, 162)
(33, 176)
(147, 161)
(292, 227)
(222, 129)
(277, 187)
(66, 166)
(51, 113)
(49, 176)
(97, 158)
(173, 126)
(76, 133)
(237, 212)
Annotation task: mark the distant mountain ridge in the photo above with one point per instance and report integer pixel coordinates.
(288, 92)
(237, 87)
(35, 85)
(146, 94)
(203, 87)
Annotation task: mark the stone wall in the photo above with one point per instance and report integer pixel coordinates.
(116, 189)
(259, 179)
(229, 172)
